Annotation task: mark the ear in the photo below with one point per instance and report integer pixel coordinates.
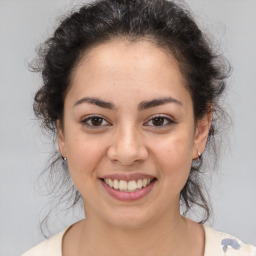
(201, 133)
(61, 138)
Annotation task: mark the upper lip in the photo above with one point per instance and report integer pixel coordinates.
(127, 177)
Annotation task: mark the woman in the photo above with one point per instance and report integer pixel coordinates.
(131, 90)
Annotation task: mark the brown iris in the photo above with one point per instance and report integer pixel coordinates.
(158, 121)
(96, 121)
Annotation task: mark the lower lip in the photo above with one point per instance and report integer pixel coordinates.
(128, 196)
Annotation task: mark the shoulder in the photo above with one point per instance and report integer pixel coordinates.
(49, 247)
(220, 244)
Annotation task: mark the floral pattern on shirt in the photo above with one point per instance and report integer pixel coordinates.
(230, 242)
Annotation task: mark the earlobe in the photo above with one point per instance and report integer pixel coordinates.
(201, 134)
(61, 140)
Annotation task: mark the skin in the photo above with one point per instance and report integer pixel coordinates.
(128, 141)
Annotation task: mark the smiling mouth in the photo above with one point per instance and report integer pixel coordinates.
(128, 186)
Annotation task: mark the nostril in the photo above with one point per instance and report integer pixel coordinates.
(127, 155)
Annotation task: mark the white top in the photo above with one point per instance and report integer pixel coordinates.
(216, 244)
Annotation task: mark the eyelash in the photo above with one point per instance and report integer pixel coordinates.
(90, 118)
(166, 122)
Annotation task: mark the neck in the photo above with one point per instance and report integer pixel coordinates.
(178, 236)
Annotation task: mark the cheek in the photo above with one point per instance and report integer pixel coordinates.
(175, 155)
(83, 157)
(175, 168)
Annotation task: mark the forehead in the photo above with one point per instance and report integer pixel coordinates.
(139, 66)
(121, 53)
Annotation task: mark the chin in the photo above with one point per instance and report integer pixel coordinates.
(130, 219)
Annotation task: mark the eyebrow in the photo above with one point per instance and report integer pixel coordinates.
(157, 102)
(142, 106)
(95, 101)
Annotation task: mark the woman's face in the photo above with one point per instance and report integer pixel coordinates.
(128, 122)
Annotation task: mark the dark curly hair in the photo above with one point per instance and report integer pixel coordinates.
(167, 24)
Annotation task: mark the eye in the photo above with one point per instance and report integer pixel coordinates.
(95, 122)
(159, 121)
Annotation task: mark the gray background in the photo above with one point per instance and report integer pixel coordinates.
(23, 150)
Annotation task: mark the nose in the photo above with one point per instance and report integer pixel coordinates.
(127, 147)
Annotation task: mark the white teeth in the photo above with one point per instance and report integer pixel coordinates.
(116, 184)
(123, 185)
(144, 183)
(139, 183)
(130, 186)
